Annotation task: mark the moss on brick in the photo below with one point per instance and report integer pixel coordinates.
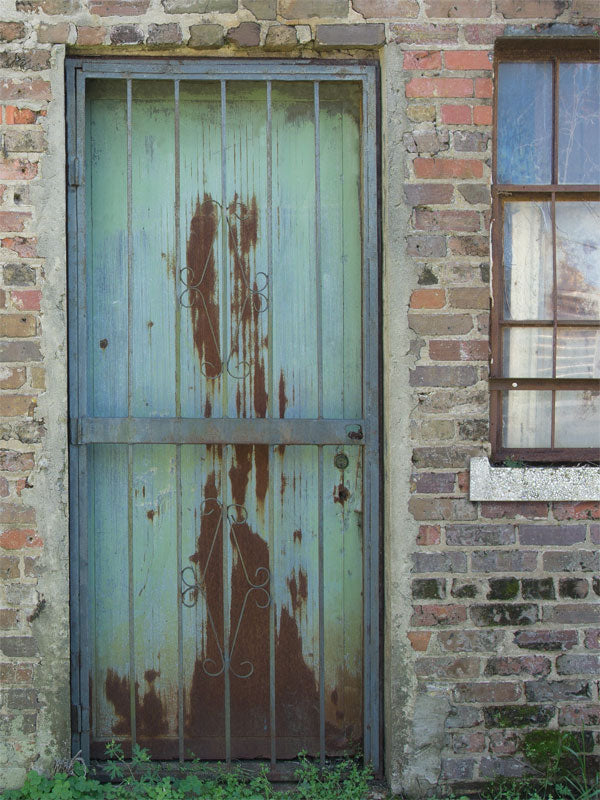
(503, 589)
(517, 716)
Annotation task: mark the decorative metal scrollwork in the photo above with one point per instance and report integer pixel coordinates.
(257, 295)
(193, 584)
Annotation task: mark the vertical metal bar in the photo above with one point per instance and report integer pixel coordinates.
(178, 498)
(271, 414)
(321, 616)
(318, 252)
(130, 447)
(224, 260)
(226, 603)
(555, 315)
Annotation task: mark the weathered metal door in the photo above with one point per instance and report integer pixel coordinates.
(224, 408)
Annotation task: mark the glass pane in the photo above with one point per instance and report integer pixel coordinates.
(527, 261)
(578, 259)
(526, 419)
(577, 353)
(577, 422)
(525, 123)
(579, 123)
(527, 353)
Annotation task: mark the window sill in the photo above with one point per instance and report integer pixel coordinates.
(507, 484)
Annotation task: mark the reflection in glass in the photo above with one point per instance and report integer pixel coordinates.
(527, 260)
(577, 421)
(526, 419)
(527, 353)
(579, 123)
(525, 123)
(578, 259)
(577, 353)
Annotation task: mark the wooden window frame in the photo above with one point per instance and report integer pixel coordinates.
(554, 51)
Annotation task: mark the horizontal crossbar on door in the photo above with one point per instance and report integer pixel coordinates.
(132, 430)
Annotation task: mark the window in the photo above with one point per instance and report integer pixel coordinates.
(545, 387)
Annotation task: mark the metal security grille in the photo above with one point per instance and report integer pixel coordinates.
(224, 423)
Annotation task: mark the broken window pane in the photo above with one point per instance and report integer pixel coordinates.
(578, 260)
(579, 123)
(528, 260)
(525, 123)
(577, 419)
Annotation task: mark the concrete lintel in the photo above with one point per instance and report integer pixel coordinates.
(506, 484)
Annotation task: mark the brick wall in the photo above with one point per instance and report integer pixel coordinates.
(505, 616)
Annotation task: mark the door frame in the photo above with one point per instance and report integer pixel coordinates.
(365, 72)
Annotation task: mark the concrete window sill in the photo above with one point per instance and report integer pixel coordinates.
(507, 484)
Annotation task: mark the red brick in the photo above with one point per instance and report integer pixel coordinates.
(16, 514)
(482, 34)
(26, 300)
(448, 168)
(508, 510)
(15, 461)
(482, 115)
(458, 8)
(439, 87)
(26, 89)
(518, 665)
(438, 615)
(18, 539)
(456, 115)
(428, 298)
(419, 640)
(88, 35)
(531, 9)
(468, 59)
(463, 479)
(459, 350)
(576, 511)
(468, 221)
(13, 220)
(17, 169)
(488, 692)
(26, 248)
(420, 194)
(19, 116)
(484, 87)
(428, 534)
(422, 59)
(579, 715)
(9, 31)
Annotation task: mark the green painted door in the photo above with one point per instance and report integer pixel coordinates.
(221, 416)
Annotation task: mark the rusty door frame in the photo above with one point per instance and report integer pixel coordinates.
(83, 430)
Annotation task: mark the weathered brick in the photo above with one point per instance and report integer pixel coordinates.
(504, 561)
(428, 535)
(16, 325)
(538, 589)
(87, 35)
(518, 665)
(9, 31)
(427, 220)
(18, 539)
(470, 641)
(31, 567)
(465, 589)
(443, 376)
(369, 35)
(420, 112)
(595, 533)
(422, 59)
(8, 618)
(474, 429)
(591, 639)
(574, 588)
(170, 33)
(439, 87)
(457, 769)
(590, 510)
(504, 614)
(469, 245)
(459, 350)
(12, 378)
(26, 350)
(419, 640)
(456, 115)
(545, 641)
(299, 9)
(19, 275)
(262, 9)
(418, 33)
(25, 89)
(439, 562)
(484, 87)
(487, 692)
(429, 246)
(482, 115)
(246, 34)
(572, 664)
(207, 35)
(579, 715)
(503, 589)
(428, 140)
(449, 668)
(490, 767)
(28, 60)
(25, 248)
(438, 615)
(17, 169)
(15, 461)
(9, 568)
(126, 34)
(468, 742)
(54, 34)
(463, 717)
(428, 588)
(473, 535)
(553, 691)
(26, 300)
(572, 613)
(518, 716)
(504, 743)
(428, 298)
(468, 59)
(49, 6)
(281, 36)
(118, 8)
(531, 9)
(443, 457)
(447, 168)
(510, 510)
(14, 405)
(18, 647)
(385, 9)
(19, 116)
(458, 8)
(431, 482)
(572, 561)
(551, 534)
(471, 141)
(474, 193)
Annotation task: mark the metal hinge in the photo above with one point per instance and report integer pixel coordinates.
(74, 172)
